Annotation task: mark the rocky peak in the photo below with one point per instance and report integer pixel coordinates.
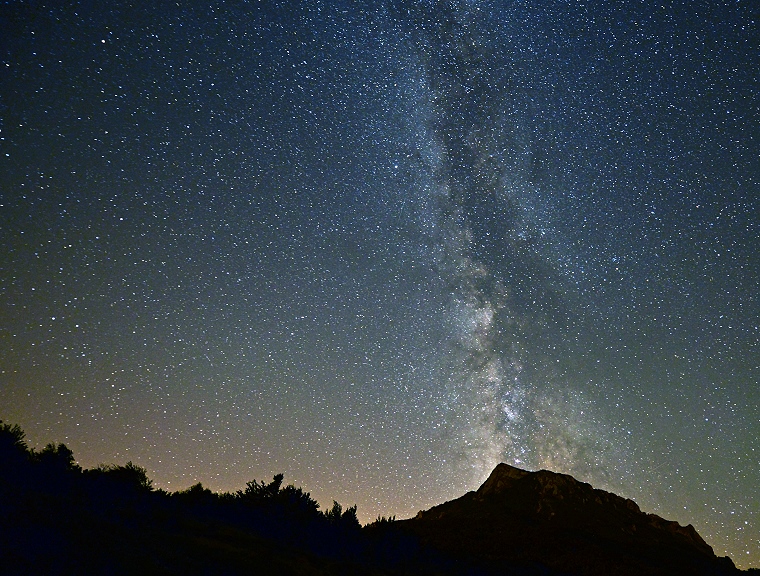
(551, 519)
(502, 478)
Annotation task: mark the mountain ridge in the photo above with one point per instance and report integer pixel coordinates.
(552, 520)
(58, 518)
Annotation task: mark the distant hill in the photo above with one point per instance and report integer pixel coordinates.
(548, 521)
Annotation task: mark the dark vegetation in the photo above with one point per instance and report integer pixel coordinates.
(57, 518)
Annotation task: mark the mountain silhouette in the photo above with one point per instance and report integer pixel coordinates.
(545, 522)
(58, 518)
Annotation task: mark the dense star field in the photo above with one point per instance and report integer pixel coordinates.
(381, 247)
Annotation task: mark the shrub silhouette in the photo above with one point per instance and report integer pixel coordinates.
(13, 448)
(111, 520)
(196, 494)
(346, 520)
(127, 477)
(290, 501)
(256, 491)
(58, 458)
(12, 439)
(382, 521)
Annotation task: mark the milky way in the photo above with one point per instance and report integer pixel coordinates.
(382, 249)
(485, 223)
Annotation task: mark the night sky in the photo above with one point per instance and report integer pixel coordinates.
(380, 247)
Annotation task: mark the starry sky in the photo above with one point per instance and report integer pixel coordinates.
(382, 246)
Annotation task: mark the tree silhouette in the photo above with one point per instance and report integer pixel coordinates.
(256, 491)
(57, 457)
(13, 446)
(111, 520)
(338, 517)
(15, 457)
(129, 476)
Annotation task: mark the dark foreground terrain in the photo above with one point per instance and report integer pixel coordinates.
(56, 518)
